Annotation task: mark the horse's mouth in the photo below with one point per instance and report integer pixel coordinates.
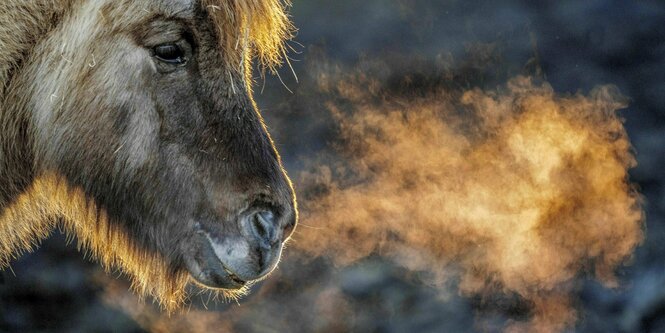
(234, 277)
(209, 271)
(215, 279)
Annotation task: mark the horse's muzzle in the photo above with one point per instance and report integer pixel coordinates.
(231, 261)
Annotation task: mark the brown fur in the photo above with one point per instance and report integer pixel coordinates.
(34, 202)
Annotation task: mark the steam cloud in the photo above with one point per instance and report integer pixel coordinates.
(516, 190)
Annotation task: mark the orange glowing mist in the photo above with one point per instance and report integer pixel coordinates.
(517, 190)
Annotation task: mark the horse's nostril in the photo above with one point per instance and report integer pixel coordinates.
(263, 227)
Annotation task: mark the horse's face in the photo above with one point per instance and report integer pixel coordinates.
(142, 109)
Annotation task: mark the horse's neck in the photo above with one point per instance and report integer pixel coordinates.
(16, 154)
(23, 23)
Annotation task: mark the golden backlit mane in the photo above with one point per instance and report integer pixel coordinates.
(259, 27)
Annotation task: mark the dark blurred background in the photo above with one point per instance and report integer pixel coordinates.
(574, 45)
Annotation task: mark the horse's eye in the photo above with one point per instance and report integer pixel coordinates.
(170, 53)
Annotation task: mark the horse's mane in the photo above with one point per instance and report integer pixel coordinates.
(22, 24)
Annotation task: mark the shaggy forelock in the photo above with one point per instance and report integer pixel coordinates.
(259, 27)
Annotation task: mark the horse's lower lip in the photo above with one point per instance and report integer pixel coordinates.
(214, 283)
(210, 272)
(218, 278)
(233, 276)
